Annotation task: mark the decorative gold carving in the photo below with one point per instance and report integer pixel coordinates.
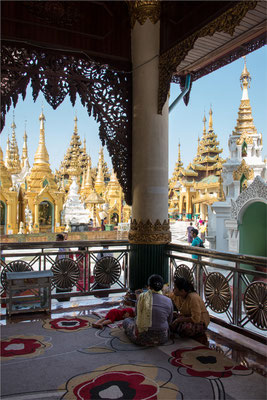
(169, 60)
(244, 138)
(148, 233)
(221, 196)
(245, 170)
(141, 10)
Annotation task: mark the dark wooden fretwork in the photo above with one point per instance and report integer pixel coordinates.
(105, 93)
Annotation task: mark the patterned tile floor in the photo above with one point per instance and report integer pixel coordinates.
(235, 346)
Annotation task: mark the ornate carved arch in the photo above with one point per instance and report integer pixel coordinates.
(105, 93)
(257, 191)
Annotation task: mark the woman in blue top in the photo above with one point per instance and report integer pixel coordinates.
(196, 241)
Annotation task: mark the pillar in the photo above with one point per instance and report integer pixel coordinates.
(57, 219)
(188, 205)
(9, 219)
(197, 210)
(181, 200)
(149, 231)
(36, 217)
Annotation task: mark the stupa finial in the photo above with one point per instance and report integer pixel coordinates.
(210, 120)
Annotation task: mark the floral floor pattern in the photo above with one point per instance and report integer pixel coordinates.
(65, 358)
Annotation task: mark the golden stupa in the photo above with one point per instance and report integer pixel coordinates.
(193, 189)
(32, 200)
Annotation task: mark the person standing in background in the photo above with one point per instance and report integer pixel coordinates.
(189, 231)
(202, 230)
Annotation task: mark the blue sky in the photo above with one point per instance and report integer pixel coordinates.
(220, 89)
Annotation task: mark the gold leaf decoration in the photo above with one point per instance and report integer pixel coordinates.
(148, 233)
(141, 10)
(245, 170)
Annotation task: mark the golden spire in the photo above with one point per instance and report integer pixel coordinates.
(7, 157)
(1, 156)
(75, 124)
(41, 155)
(245, 125)
(245, 80)
(204, 127)
(24, 156)
(89, 161)
(113, 177)
(100, 173)
(83, 181)
(210, 120)
(99, 181)
(88, 180)
(14, 151)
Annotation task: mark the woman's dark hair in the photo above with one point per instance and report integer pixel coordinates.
(194, 230)
(59, 237)
(155, 282)
(182, 283)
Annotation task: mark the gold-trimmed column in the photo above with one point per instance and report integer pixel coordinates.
(149, 230)
(36, 217)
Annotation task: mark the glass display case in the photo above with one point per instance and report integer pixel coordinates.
(28, 291)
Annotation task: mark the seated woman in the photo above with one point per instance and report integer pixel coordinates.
(154, 314)
(193, 317)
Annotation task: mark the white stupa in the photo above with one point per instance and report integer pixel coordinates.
(74, 211)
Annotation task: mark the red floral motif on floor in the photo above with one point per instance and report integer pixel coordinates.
(68, 324)
(22, 346)
(206, 363)
(128, 383)
(125, 381)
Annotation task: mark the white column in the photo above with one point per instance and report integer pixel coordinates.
(150, 130)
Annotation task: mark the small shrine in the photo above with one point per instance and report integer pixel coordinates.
(74, 211)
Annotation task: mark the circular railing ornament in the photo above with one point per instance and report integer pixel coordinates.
(14, 266)
(107, 270)
(217, 292)
(66, 273)
(183, 271)
(255, 303)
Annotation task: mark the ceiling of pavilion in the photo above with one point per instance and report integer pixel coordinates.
(101, 29)
(84, 48)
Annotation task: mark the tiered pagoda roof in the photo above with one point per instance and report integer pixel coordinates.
(245, 127)
(178, 167)
(12, 160)
(76, 159)
(208, 162)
